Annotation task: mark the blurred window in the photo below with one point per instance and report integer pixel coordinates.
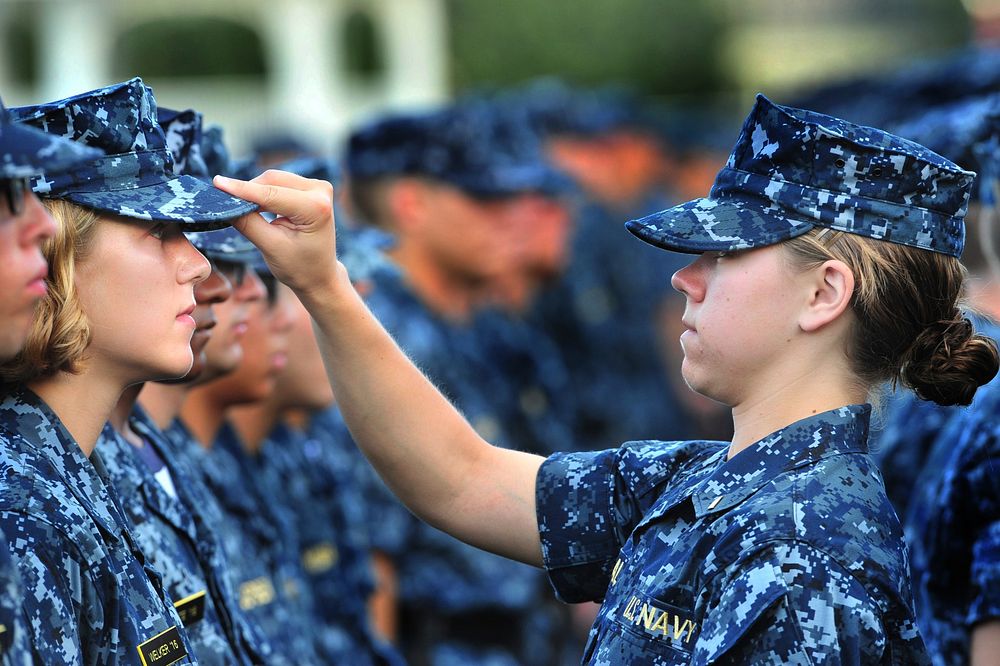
(190, 47)
(364, 55)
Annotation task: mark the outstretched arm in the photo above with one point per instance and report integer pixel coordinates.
(421, 446)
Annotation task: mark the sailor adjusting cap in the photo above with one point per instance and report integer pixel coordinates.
(135, 178)
(793, 170)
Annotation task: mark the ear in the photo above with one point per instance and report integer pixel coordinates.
(831, 287)
(407, 203)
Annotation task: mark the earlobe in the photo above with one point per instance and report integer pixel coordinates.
(832, 288)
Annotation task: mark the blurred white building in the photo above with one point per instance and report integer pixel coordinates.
(320, 64)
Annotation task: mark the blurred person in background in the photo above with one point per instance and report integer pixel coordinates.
(442, 184)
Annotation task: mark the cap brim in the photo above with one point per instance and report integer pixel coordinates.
(27, 151)
(196, 205)
(716, 225)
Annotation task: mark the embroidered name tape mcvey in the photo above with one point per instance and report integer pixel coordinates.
(256, 592)
(191, 609)
(163, 649)
(319, 558)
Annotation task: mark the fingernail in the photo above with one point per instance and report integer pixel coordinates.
(223, 179)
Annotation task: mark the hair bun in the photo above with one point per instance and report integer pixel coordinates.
(948, 361)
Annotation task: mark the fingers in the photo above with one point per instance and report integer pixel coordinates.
(295, 197)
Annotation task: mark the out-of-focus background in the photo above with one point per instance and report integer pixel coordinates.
(314, 67)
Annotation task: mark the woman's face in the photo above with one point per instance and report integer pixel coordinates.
(22, 268)
(739, 318)
(136, 286)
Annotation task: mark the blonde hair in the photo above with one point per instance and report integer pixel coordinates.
(60, 332)
(908, 327)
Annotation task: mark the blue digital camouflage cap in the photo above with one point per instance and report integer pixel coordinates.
(463, 146)
(793, 170)
(26, 151)
(136, 177)
(214, 151)
(953, 129)
(182, 130)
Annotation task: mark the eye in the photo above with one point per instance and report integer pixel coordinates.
(159, 231)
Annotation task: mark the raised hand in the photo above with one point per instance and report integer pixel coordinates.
(299, 245)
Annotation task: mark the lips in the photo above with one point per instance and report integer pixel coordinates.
(37, 286)
(185, 317)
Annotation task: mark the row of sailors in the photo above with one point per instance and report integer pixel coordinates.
(296, 555)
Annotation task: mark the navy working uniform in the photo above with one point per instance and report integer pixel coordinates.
(789, 552)
(90, 595)
(25, 152)
(953, 530)
(162, 501)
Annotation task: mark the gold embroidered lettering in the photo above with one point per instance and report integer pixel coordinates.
(647, 615)
(661, 623)
(690, 631)
(617, 570)
(630, 609)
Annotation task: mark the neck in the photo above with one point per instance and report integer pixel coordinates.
(121, 413)
(254, 423)
(83, 402)
(443, 291)
(163, 402)
(296, 418)
(514, 292)
(203, 415)
(984, 294)
(814, 391)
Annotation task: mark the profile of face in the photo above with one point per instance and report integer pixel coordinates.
(24, 226)
(546, 226)
(265, 351)
(136, 287)
(741, 313)
(224, 351)
(214, 290)
(465, 234)
(303, 383)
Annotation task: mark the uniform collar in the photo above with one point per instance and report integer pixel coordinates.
(838, 431)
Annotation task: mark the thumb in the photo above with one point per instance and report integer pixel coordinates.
(254, 227)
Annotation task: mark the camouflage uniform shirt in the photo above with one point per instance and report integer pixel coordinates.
(788, 553)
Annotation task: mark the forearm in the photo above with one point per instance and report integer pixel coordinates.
(421, 446)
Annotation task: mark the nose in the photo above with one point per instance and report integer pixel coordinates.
(35, 223)
(194, 267)
(690, 280)
(215, 289)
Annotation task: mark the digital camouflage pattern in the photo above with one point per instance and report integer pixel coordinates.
(793, 170)
(439, 576)
(26, 151)
(91, 597)
(319, 493)
(788, 553)
(262, 550)
(184, 139)
(468, 146)
(179, 542)
(136, 176)
(953, 527)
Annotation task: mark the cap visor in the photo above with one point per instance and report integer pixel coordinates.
(28, 151)
(716, 225)
(184, 199)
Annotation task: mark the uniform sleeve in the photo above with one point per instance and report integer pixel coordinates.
(588, 503)
(982, 474)
(57, 603)
(792, 604)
